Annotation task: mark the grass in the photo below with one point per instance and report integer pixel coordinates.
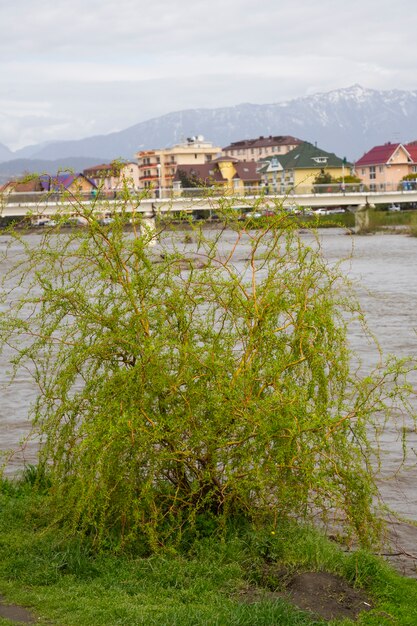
(64, 582)
(378, 221)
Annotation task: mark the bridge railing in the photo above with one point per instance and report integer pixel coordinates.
(38, 198)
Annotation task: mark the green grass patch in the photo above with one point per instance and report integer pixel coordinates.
(385, 220)
(63, 581)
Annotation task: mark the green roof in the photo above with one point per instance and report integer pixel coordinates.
(307, 156)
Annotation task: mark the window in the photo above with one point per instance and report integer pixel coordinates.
(372, 174)
(380, 169)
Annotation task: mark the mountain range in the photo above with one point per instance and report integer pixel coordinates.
(346, 121)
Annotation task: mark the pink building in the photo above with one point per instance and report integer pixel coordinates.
(383, 167)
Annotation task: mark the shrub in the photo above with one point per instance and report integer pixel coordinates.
(181, 387)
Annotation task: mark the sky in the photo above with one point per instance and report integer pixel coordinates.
(74, 69)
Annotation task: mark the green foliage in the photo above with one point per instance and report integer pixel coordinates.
(323, 178)
(189, 181)
(349, 179)
(413, 225)
(181, 387)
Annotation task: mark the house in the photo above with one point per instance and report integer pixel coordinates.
(27, 185)
(73, 183)
(226, 173)
(114, 176)
(383, 167)
(257, 149)
(301, 168)
(270, 171)
(157, 168)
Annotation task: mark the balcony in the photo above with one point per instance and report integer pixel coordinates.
(153, 164)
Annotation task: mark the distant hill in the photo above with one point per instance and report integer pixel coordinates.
(5, 153)
(345, 121)
(20, 167)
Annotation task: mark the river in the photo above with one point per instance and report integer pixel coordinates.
(383, 268)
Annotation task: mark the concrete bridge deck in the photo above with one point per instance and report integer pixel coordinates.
(22, 204)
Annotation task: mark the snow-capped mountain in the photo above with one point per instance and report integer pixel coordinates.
(346, 121)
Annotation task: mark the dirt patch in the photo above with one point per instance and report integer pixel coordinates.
(326, 595)
(16, 613)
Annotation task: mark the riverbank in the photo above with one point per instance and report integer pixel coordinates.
(281, 574)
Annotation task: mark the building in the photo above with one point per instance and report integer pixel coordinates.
(257, 149)
(301, 168)
(73, 183)
(383, 167)
(114, 176)
(157, 168)
(30, 184)
(228, 174)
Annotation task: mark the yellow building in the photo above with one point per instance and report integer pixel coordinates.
(229, 174)
(301, 168)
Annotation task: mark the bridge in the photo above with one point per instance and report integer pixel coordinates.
(351, 197)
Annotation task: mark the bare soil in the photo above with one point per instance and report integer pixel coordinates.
(325, 595)
(16, 613)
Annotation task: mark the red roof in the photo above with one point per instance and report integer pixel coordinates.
(412, 149)
(210, 173)
(247, 171)
(379, 155)
(204, 172)
(263, 142)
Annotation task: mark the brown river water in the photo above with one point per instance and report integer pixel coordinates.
(383, 267)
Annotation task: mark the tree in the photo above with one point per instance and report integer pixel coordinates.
(177, 384)
(322, 179)
(190, 180)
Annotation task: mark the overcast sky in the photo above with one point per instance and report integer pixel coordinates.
(74, 69)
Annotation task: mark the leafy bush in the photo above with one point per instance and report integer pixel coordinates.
(181, 386)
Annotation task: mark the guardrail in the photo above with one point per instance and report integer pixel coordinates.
(201, 198)
(169, 193)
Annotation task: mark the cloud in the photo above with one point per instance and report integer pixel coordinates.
(76, 68)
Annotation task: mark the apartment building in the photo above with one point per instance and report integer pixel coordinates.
(257, 149)
(114, 176)
(157, 168)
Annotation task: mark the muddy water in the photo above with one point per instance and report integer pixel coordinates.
(384, 269)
